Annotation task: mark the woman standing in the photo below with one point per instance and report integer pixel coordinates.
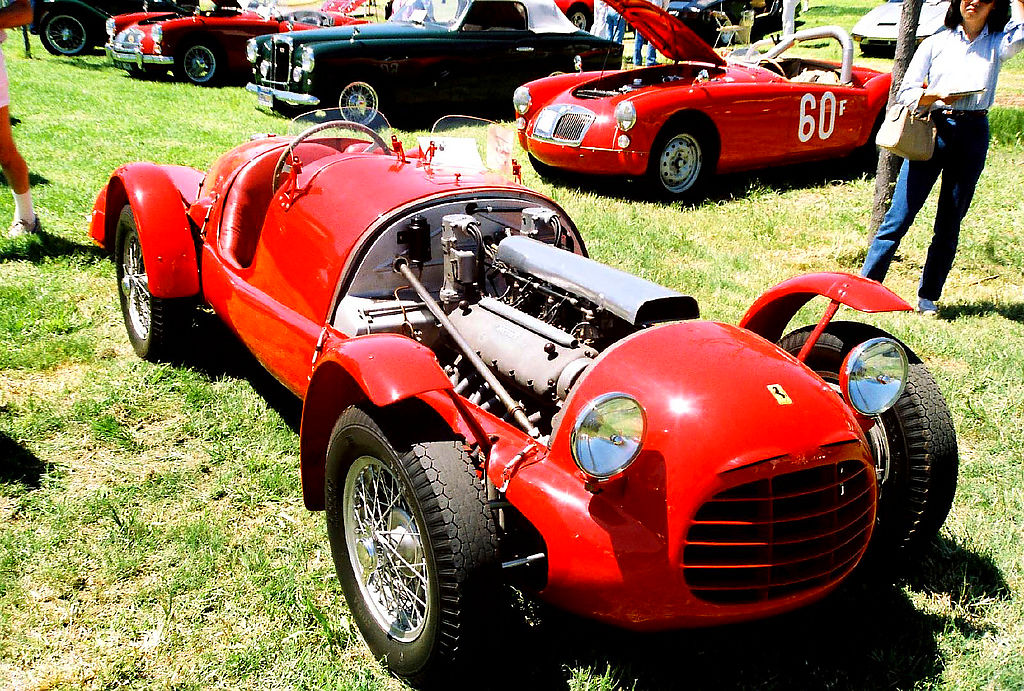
(953, 75)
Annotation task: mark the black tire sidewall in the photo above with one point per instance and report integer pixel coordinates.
(180, 65)
(52, 49)
(126, 228)
(708, 156)
(350, 440)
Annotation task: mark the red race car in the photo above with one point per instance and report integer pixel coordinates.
(205, 47)
(482, 402)
(679, 124)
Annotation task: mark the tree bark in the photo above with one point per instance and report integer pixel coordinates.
(889, 164)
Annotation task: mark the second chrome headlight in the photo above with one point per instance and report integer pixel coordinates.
(608, 435)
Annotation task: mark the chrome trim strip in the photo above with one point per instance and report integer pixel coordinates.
(286, 96)
(135, 57)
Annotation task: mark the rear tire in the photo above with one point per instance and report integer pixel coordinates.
(914, 443)
(154, 324)
(64, 34)
(414, 545)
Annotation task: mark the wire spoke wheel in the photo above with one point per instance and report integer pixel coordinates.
(359, 102)
(385, 548)
(135, 287)
(199, 64)
(64, 35)
(680, 163)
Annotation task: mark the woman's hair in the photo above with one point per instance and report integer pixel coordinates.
(997, 16)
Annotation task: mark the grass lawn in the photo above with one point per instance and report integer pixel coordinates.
(152, 533)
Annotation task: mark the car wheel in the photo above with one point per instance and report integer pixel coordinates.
(914, 443)
(198, 63)
(154, 324)
(580, 17)
(64, 34)
(414, 545)
(359, 102)
(680, 163)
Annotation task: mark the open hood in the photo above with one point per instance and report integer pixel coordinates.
(670, 36)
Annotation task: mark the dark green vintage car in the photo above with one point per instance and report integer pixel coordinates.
(431, 56)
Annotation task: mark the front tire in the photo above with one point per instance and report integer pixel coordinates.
(153, 324)
(64, 34)
(359, 102)
(914, 444)
(414, 545)
(199, 63)
(681, 162)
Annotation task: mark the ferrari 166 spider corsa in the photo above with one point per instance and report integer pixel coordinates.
(678, 124)
(484, 403)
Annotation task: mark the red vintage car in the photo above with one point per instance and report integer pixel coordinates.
(678, 124)
(482, 402)
(205, 47)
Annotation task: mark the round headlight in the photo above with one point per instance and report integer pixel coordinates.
(250, 50)
(625, 115)
(522, 99)
(157, 33)
(111, 28)
(307, 59)
(608, 435)
(874, 375)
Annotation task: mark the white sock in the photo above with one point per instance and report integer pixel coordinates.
(23, 210)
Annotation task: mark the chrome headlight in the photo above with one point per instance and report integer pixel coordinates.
(307, 60)
(521, 100)
(250, 50)
(111, 26)
(608, 435)
(625, 115)
(874, 375)
(157, 33)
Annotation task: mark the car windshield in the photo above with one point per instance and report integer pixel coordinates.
(443, 12)
(373, 120)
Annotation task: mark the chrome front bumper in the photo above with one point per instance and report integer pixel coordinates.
(265, 96)
(125, 57)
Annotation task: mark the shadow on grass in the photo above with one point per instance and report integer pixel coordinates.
(223, 355)
(984, 308)
(866, 635)
(19, 465)
(36, 248)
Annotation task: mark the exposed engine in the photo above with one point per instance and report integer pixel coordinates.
(535, 314)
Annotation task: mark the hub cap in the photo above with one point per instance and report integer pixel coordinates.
(200, 64)
(358, 102)
(385, 548)
(66, 34)
(680, 163)
(135, 287)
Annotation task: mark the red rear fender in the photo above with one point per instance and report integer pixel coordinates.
(382, 369)
(771, 312)
(159, 197)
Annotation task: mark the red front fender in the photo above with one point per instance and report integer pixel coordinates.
(771, 312)
(382, 369)
(159, 197)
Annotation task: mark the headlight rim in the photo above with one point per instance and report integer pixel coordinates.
(520, 105)
(590, 406)
(629, 117)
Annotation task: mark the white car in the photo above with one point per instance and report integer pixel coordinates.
(876, 31)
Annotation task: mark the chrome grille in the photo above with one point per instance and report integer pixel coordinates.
(781, 535)
(572, 126)
(280, 62)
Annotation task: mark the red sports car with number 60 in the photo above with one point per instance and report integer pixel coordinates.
(679, 124)
(483, 402)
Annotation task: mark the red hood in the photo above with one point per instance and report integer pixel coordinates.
(669, 35)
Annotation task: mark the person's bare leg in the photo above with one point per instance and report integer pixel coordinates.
(16, 171)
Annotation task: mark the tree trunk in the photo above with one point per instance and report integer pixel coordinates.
(889, 164)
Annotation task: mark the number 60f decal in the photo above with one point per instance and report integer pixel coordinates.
(826, 120)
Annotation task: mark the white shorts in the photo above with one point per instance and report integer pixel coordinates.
(5, 96)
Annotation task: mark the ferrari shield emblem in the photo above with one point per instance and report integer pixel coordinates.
(781, 397)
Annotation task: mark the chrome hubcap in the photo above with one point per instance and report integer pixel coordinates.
(199, 63)
(680, 163)
(66, 34)
(135, 287)
(358, 102)
(385, 548)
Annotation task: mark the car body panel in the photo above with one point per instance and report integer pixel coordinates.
(880, 26)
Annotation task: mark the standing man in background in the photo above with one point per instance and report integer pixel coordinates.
(18, 13)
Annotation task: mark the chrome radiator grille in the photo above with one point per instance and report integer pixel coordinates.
(572, 126)
(781, 535)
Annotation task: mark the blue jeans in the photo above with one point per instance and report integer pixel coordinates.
(615, 25)
(961, 144)
(638, 48)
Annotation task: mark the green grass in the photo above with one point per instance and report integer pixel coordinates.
(153, 530)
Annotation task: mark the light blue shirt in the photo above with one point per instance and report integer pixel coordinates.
(949, 62)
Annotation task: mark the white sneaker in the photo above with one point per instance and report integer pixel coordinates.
(927, 307)
(20, 228)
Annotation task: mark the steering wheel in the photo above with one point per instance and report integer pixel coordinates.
(377, 140)
(773, 65)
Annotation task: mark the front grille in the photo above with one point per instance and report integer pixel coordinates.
(280, 63)
(780, 535)
(572, 126)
